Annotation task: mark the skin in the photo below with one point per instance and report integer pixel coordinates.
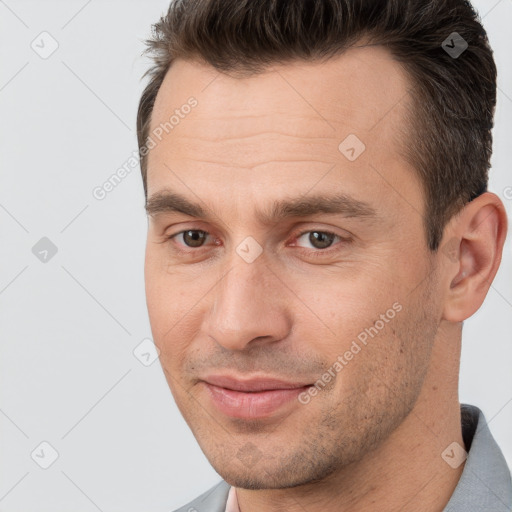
(373, 437)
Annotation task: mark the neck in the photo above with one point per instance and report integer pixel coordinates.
(406, 471)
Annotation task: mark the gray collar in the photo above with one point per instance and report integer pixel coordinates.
(485, 483)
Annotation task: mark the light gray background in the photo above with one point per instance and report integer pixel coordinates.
(69, 326)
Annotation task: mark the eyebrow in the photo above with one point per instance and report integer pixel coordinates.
(166, 201)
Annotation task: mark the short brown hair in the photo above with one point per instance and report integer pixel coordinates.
(450, 139)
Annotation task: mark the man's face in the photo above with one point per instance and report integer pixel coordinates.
(348, 293)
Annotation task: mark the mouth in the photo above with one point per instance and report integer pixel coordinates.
(252, 398)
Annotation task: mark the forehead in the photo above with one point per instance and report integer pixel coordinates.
(286, 122)
(356, 88)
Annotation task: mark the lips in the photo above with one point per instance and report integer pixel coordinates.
(252, 385)
(252, 398)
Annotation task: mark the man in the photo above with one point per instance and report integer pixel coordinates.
(319, 229)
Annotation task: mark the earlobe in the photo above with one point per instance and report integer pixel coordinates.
(475, 244)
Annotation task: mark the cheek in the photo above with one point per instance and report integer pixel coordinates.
(175, 303)
(354, 326)
(339, 308)
(167, 294)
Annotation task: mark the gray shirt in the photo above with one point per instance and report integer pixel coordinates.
(485, 483)
(484, 486)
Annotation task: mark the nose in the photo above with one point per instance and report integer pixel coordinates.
(249, 306)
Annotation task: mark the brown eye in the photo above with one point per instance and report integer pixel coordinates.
(193, 237)
(319, 239)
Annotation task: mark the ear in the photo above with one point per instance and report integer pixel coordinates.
(472, 246)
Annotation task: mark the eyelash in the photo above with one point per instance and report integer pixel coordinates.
(315, 253)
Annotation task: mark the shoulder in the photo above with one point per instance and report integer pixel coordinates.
(213, 500)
